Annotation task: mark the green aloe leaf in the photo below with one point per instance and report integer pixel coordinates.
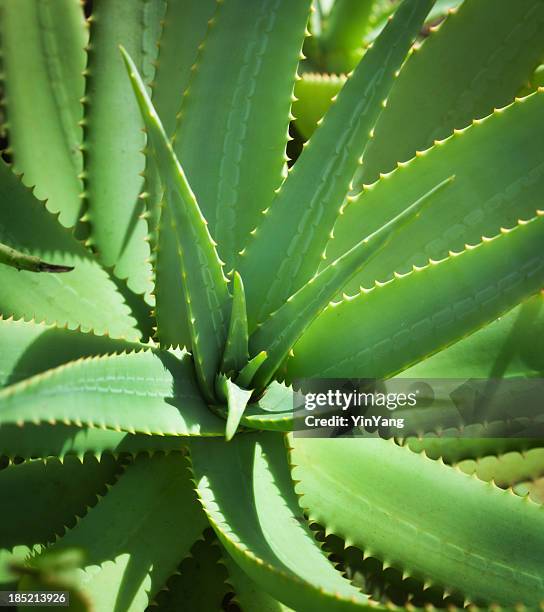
(248, 60)
(141, 392)
(183, 28)
(382, 331)
(45, 497)
(236, 399)
(314, 93)
(136, 537)
(508, 469)
(492, 189)
(84, 298)
(506, 347)
(495, 534)
(286, 248)
(236, 354)
(29, 348)
(281, 330)
(60, 440)
(247, 373)
(44, 83)
(340, 43)
(113, 139)
(246, 491)
(488, 49)
(206, 294)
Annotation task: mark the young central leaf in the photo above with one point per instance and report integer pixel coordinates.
(284, 327)
(204, 285)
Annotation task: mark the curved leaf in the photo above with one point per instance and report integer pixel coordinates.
(285, 251)
(248, 60)
(246, 491)
(138, 533)
(113, 138)
(492, 189)
(207, 298)
(85, 298)
(386, 329)
(404, 509)
(43, 58)
(141, 392)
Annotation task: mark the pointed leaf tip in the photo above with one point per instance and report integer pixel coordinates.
(237, 401)
(208, 302)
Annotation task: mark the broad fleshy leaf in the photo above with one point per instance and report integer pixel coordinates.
(135, 538)
(43, 58)
(492, 189)
(382, 331)
(286, 248)
(249, 61)
(141, 392)
(113, 146)
(85, 297)
(246, 491)
(489, 548)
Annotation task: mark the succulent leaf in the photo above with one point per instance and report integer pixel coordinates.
(236, 399)
(206, 294)
(113, 146)
(247, 373)
(60, 440)
(314, 93)
(441, 303)
(141, 392)
(246, 491)
(282, 256)
(249, 60)
(487, 48)
(45, 497)
(126, 566)
(485, 196)
(236, 354)
(434, 545)
(29, 348)
(84, 298)
(44, 84)
(184, 26)
(283, 328)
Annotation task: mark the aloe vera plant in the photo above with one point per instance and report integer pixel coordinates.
(146, 391)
